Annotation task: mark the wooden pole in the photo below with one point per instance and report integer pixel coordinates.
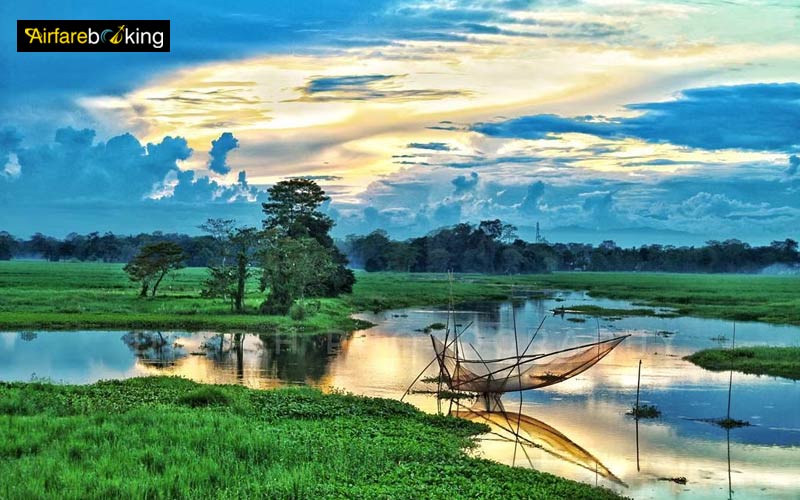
(636, 413)
(730, 483)
(730, 379)
(638, 384)
(519, 373)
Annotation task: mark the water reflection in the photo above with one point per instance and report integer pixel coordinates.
(588, 411)
(154, 349)
(525, 432)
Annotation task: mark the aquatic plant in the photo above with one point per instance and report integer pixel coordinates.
(730, 423)
(644, 411)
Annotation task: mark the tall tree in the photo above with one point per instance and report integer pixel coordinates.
(292, 266)
(153, 263)
(294, 212)
(244, 241)
(228, 280)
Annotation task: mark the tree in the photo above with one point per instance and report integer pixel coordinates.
(220, 230)
(293, 212)
(8, 245)
(45, 246)
(228, 281)
(244, 241)
(153, 263)
(291, 266)
(221, 283)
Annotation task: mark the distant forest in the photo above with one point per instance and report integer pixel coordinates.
(489, 247)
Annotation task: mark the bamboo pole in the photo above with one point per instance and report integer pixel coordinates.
(730, 378)
(638, 385)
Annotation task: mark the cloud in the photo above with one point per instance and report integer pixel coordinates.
(10, 140)
(218, 155)
(368, 88)
(433, 146)
(465, 184)
(761, 117)
(324, 178)
(530, 204)
(345, 84)
(447, 125)
(75, 183)
(447, 213)
(705, 204)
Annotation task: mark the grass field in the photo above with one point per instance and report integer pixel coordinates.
(172, 438)
(85, 295)
(775, 361)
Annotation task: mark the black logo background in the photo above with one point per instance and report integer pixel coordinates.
(99, 26)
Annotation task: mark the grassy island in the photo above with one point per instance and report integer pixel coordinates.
(773, 361)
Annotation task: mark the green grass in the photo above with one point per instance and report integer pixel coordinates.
(774, 361)
(62, 296)
(770, 299)
(171, 438)
(736, 297)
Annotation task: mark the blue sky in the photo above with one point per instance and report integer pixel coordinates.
(669, 122)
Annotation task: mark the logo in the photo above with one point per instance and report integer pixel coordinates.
(93, 36)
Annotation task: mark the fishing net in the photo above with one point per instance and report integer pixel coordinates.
(517, 373)
(532, 432)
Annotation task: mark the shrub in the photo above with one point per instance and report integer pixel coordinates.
(204, 396)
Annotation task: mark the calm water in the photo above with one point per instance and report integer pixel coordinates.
(581, 423)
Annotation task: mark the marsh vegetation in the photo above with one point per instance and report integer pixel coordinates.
(168, 437)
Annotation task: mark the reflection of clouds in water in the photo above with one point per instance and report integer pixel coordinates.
(7, 340)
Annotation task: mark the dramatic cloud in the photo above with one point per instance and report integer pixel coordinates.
(374, 99)
(219, 153)
(749, 117)
(683, 209)
(74, 173)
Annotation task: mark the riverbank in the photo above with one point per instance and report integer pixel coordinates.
(63, 296)
(773, 361)
(169, 437)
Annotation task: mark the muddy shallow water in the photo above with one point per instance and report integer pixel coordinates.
(577, 429)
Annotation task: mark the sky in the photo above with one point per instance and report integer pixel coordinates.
(638, 121)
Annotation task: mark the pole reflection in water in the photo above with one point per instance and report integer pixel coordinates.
(730, 483)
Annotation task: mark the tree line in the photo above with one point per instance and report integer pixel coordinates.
(106, 247)
(488, 247)
(492, 247)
